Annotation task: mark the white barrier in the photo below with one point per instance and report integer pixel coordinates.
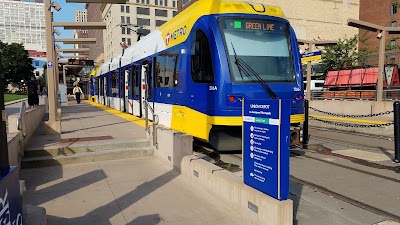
(20, 132)
(176, 149)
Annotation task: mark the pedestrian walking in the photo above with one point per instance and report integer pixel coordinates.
(77, 92)
(33, 95)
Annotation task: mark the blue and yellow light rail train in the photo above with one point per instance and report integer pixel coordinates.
(196, 69)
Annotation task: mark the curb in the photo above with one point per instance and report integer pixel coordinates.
(16, 101)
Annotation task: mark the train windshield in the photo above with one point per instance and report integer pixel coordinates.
(263, 45)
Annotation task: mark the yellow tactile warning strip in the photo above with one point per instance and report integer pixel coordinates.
(136, 120)
(349, 120)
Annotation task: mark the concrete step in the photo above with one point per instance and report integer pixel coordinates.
(67, 149)
(45, 161)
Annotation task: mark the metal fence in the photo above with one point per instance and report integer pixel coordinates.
(368, 95)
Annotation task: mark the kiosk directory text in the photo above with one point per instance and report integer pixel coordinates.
(266, 146)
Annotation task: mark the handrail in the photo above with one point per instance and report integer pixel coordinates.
(21, 118)
(155, 116)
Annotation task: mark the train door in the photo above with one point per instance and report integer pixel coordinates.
(147, 89)
(99, 93)
(105, 90)
(126, 92)
(136, 90)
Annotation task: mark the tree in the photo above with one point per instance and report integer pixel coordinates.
(16, 63)
(43, 78)
(345, 55)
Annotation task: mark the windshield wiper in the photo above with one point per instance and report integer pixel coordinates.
(245, 69)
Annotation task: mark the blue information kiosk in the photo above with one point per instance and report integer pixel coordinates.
(10, 198)
(266, 146)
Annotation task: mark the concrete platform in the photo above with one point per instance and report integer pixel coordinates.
(130, 191)
(89, 134)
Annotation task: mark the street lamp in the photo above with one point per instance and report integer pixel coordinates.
(140, 31)
(4, 163)
(382, 44)
(311, 45)
(57, 32)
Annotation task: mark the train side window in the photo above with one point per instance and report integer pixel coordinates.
(136, 81)
(114, 84)
(150, 82)
(167, 69)
(122, 84)
(96, 86)
(201, 62)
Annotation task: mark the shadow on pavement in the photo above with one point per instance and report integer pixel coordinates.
(152, 219)
(57, 190)
(103, 214)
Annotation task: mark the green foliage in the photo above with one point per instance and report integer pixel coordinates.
(13, 97)
(16, 63)
(43, 78)
(344, 55)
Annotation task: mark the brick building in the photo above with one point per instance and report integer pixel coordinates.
(383, 12)
(96, 50)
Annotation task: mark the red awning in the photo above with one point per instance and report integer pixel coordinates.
(370, 77)
(331, 78)
(343, 78)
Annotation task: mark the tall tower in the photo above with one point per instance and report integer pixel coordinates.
(80, 16)
(23, 22)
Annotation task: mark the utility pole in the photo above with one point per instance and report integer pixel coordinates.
(4, 163)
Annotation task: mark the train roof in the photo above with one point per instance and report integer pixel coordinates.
(180, 26)
(104, 68)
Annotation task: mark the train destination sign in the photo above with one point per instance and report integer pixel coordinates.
(254, 25)
(266, 142)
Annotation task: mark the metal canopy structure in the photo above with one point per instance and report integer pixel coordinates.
(73, 56)
(311, 45)
(80, 25)
(382, 42)
(99, 1)
(72, 50)
(316, 43)
(76, 40)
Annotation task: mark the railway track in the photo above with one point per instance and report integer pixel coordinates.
(351, 139)
(317, 187)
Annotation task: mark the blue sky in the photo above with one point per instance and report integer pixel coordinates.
(66, 14)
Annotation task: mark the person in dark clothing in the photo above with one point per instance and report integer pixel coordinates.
(33, 96)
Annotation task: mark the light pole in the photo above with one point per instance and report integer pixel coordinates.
(382, 44)
(311, 45)
(4, 163)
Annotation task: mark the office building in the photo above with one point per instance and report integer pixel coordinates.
(23, 22)
(313, 19)
(96, 51)
(80, 16)
(143, 13)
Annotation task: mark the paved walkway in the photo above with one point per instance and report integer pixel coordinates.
(86, 124)
(132, 191)
(142, 191)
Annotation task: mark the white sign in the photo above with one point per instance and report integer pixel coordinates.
(50, 64)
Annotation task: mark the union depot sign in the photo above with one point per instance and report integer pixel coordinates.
(10, 199)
